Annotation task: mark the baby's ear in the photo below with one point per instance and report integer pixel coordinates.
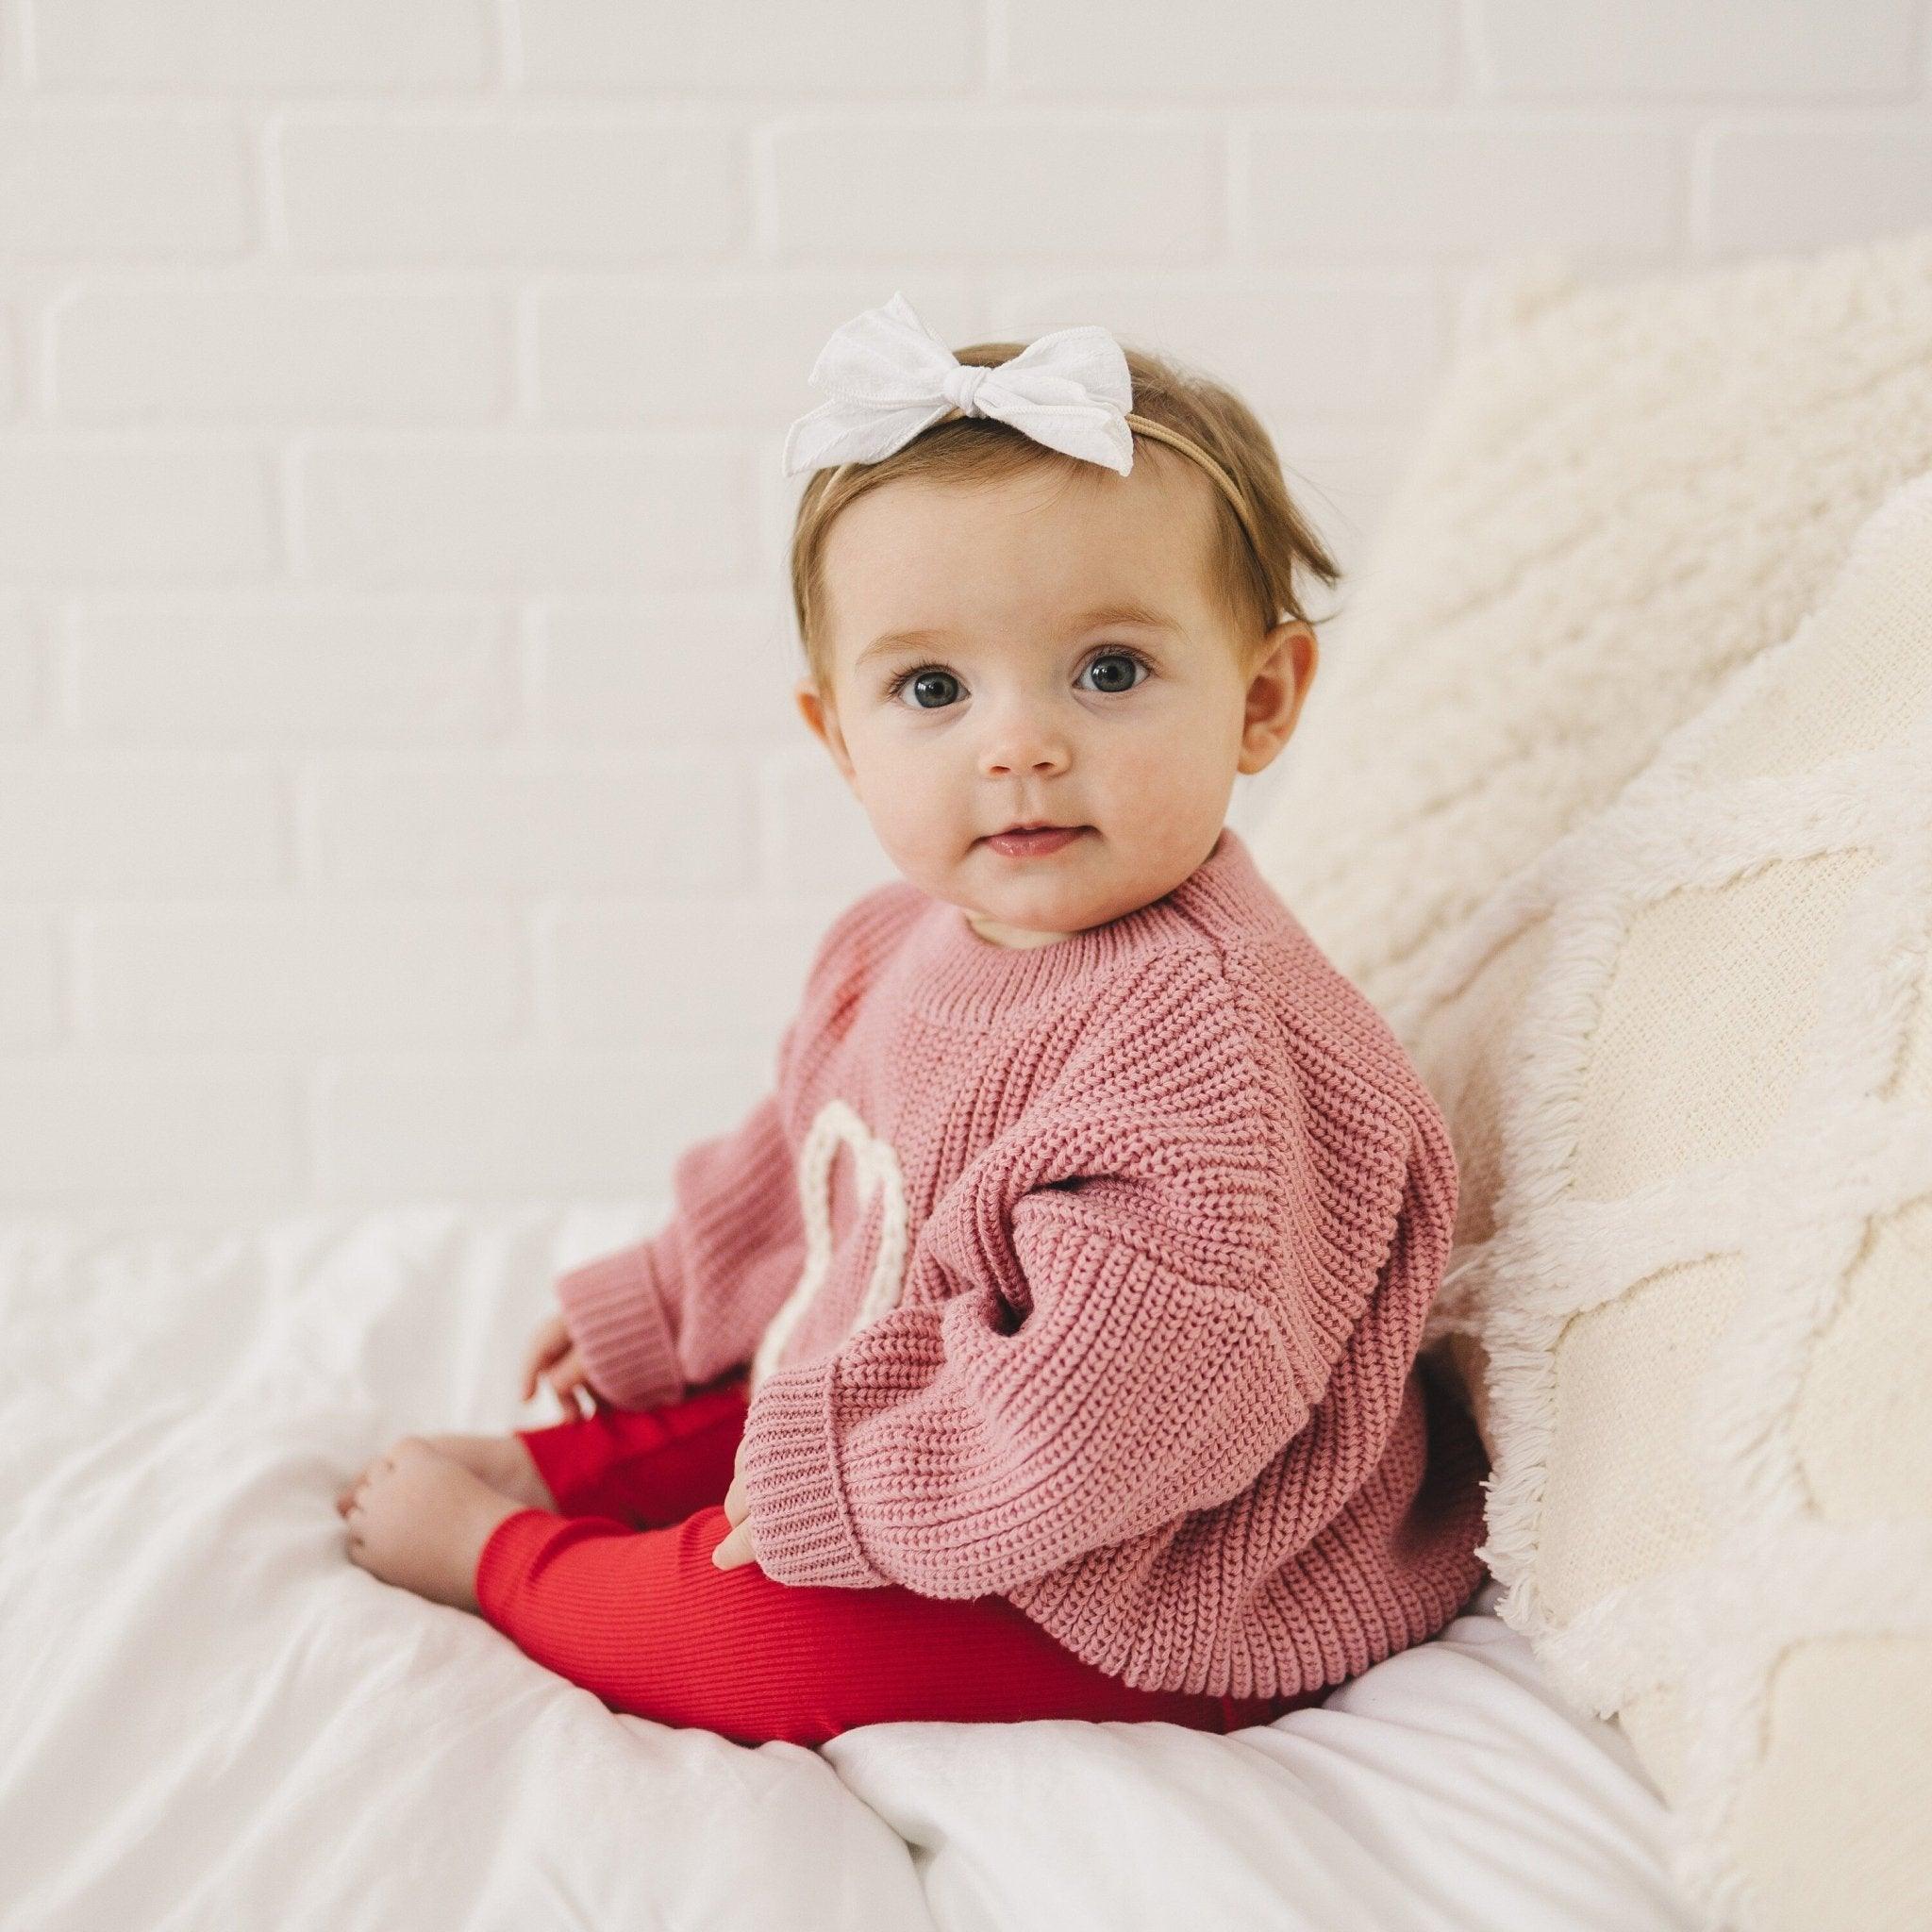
(823, 721)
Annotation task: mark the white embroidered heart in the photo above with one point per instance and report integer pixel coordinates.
(876, 1168)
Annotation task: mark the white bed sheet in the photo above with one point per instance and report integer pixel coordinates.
(209, 1718)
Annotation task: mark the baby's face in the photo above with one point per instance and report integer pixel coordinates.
(1072, 668)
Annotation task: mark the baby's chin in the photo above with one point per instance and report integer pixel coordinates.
(1042, 904)
(1051, 895)
(1011, 938)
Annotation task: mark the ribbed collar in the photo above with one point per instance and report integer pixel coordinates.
(951, 973)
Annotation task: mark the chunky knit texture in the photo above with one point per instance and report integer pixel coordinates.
(1112, 1305)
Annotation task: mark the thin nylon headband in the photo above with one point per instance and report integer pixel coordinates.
(1186, 446)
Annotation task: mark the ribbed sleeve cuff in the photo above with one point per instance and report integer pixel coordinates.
(801, 1527)
(617, 1320)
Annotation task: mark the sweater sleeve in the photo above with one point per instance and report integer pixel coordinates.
(944, 1450)
(1121, 1320)
(1119, 1315)
(689, 1302)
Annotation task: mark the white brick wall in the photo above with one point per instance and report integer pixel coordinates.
(400, 789)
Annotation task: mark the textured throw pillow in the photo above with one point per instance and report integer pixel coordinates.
(1676, 1007)
(1622, 495)
(1691, 1048)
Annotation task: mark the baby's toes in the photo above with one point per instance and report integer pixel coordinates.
(346, 1494)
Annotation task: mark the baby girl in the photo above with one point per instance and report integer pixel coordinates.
(1044, 1343)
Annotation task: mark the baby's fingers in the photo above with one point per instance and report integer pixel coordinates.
(567, 1378)
(550, 1342)
(532, 1369)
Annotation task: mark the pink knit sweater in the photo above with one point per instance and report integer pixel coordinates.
(1090, 1274)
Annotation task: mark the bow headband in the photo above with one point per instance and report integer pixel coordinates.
(891, 378)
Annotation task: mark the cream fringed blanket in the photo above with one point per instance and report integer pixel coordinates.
(1622, 808)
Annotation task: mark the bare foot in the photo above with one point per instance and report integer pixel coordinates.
(419, 1520)
(501, 1461)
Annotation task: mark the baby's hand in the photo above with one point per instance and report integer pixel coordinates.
(554, 1357)
(734, 1547)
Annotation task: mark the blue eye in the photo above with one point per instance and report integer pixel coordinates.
(1119, 656)
(931, 680)
(927, 676)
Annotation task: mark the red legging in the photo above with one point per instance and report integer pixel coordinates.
(619, 1593)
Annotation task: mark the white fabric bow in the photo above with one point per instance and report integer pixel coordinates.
(890, 377)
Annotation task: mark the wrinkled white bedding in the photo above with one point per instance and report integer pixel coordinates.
(209, 1718)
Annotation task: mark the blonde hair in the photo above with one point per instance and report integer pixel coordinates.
(1261, 544)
